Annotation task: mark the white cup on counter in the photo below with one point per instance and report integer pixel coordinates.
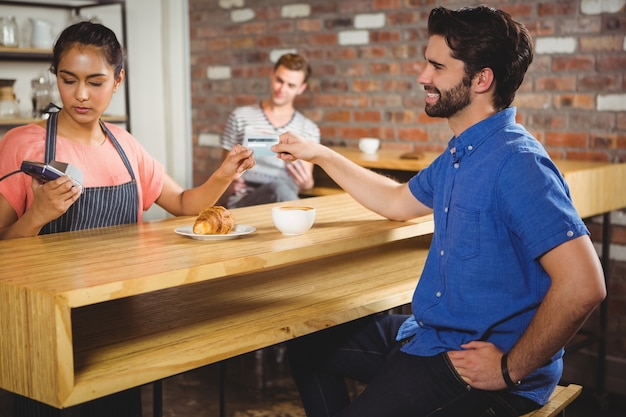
(293, 220)
(369, 145)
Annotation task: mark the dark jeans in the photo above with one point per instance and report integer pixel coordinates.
(399, 385)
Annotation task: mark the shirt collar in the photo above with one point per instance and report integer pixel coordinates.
(474, 136)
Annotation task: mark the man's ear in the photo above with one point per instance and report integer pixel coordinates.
(484, 80)
(302, 88)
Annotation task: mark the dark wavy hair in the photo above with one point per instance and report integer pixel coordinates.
(485, 37)
(89, 34)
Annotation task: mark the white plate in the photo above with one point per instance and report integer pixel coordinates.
(239, 231)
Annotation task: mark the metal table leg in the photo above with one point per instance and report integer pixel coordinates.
(157, 398)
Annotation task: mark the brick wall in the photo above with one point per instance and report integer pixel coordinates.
(366, 56)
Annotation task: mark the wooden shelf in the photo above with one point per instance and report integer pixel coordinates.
(25, 120)
(25, 54)
(59, 4)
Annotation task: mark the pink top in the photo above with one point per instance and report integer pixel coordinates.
(100, 165)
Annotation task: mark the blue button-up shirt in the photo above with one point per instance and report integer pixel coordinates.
(499, 203)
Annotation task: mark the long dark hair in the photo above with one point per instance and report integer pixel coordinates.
(485, 37)
(89, 34)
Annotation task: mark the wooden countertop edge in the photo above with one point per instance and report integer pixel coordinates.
(111, 367)
(238, 265)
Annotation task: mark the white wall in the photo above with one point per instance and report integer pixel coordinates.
(158, 76)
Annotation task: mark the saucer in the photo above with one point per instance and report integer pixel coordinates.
(238, 231)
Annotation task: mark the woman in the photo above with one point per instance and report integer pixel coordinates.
(120, 179)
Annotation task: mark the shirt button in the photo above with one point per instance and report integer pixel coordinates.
(438, 294)
(456, 165)
(445, 210)
(570, 233)
(469, 148)
(441, 253)
(421, 324)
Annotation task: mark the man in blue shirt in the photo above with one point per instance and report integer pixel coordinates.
(511, 274)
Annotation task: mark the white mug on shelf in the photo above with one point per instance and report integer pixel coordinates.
(41, 35)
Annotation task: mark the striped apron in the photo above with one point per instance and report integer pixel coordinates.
(97, 206)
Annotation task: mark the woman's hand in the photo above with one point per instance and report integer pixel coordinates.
(237, 161)
(53, 199)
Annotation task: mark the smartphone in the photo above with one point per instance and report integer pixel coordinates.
(48, 172)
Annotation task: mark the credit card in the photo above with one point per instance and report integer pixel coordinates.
(261, 144)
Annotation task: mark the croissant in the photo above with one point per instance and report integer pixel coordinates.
(215, 220)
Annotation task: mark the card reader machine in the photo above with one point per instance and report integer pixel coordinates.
(48, 172)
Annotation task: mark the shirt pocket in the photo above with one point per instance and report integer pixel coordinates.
(464, 232)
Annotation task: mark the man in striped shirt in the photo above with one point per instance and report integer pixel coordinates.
(272, 180)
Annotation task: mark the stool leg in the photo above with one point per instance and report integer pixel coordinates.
(157, 398)
(222, 377)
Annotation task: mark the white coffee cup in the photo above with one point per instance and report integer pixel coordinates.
(369, 145)
(293, 220)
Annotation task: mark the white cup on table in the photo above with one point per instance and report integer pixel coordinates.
(369, 145)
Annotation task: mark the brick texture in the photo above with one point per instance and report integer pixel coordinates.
(371, 89)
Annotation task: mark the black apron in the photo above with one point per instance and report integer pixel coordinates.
(97, 206)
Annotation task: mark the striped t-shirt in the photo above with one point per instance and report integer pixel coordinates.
(252, 119)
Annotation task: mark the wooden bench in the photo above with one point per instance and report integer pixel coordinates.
(560, 398)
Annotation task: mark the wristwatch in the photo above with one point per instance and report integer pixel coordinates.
(505, 373)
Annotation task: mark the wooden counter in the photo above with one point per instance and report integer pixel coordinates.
(596, 187)
(85, 314)
(388, 159)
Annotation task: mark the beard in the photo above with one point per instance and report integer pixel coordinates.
(450, 101)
